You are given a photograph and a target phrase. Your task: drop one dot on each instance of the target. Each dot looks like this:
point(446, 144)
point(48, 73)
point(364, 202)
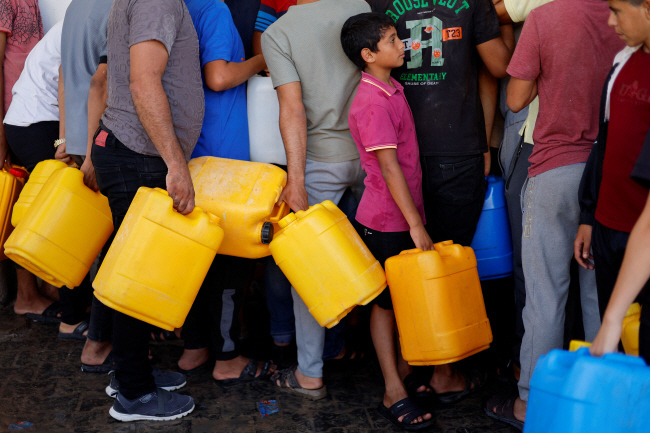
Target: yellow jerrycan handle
point(574, 345)
point(279, 212)
point(196, 212)
point(438, 247)
point(411, 251)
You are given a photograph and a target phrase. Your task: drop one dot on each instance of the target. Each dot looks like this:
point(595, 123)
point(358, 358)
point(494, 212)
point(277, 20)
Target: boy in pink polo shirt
point(391, 210)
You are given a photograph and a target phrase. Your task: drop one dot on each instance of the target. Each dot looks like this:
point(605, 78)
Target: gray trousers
point(323, 181)
point(550, 223)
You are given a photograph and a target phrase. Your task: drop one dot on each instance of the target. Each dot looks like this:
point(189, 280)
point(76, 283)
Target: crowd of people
point(387, 108)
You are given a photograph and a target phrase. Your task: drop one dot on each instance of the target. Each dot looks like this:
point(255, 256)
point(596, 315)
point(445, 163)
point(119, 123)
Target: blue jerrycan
point(574, 392)
point(492, 243)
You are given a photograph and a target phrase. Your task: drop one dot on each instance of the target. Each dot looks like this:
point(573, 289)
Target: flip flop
point(416, 379)
point(473, 381)
point(76, 334)
point(289, 383)
point(49, 315)
point(248, 374)
point(409, 410)
point(105, 367)
point(501, 408)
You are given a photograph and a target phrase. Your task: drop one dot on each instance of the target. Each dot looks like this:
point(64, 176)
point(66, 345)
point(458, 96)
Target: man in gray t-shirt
point(316, 83)
point(148, 131)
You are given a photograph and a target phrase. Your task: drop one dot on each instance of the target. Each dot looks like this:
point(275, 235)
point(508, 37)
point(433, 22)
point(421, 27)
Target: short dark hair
point(363, 31)
point(635, 3)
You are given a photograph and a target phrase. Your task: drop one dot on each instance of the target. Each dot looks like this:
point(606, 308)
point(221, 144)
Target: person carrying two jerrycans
point(390, 215)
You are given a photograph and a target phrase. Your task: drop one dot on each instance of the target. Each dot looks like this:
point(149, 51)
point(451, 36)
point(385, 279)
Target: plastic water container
point(62, 232)
point(158, 260)
point(37, 179)
point(326, 261)
point(264, 122)
point(244, 196)
point(573, 392)
point(577, 344)
point(11, 183)
point(630, 332)
point(492, 241)
point(438, 304)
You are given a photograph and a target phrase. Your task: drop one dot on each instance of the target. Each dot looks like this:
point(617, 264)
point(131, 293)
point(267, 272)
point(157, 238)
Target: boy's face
point(631, 23)
point(390, 50)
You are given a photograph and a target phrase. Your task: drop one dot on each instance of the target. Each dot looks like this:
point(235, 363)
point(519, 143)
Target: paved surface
point(42, 383)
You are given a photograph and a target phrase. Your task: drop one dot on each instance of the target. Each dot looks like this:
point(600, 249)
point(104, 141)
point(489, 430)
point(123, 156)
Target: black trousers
point(213, 320)
point(383, 245)
point(30, 145)
point(454, 191)
point(608, 246)
point(120, 172)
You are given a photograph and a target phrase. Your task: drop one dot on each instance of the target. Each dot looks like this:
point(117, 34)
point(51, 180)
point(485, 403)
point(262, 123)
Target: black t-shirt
point(641, 171)
point(440, 71)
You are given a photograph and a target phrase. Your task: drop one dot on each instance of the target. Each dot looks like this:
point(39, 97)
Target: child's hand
point(421, 238)
point(607, 339)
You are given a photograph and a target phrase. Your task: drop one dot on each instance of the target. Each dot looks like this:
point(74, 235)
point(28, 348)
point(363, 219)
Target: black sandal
point(77, 334)
point(473, 381)
point(409, 410)
point(248, 374)
point(415, 380)
point(501, 407)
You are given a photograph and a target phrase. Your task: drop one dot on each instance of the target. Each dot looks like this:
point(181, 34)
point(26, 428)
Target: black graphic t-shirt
point(440, 71)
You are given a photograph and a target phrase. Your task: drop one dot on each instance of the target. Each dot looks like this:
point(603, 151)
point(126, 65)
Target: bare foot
point(233, 368)
point(392, 397)
point(447, 379)
point(192, 358)
point(28, 298)
point(305, 382)
point(95, 352)
point(64, 328)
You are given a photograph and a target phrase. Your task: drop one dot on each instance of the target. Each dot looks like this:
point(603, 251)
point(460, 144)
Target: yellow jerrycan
point(438, 304)
point(575, 345)
point(157, 262)
point(243, 195)
point(326, 262)
point(63, 231)
point(11, 183)
point(630, 332)
point(37, 178)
